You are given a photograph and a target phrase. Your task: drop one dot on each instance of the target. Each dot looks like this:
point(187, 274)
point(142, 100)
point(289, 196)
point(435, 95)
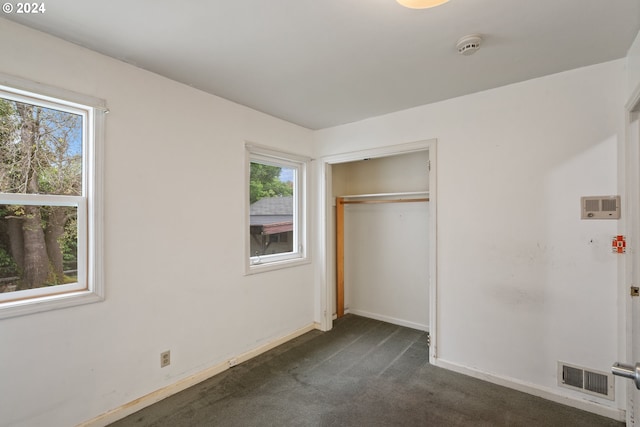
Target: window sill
point(275, 265)
point(47, 303)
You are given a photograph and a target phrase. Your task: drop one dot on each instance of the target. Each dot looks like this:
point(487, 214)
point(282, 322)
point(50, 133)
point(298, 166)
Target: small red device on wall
point(619, 244)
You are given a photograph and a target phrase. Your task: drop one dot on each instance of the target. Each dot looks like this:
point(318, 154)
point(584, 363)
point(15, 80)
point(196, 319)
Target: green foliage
point(69, 241)
point(8, 266)
point(61, 179)
point(265, 182)
point(7, 119)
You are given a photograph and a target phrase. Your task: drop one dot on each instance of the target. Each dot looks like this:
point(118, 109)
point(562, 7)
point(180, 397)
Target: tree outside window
point(41, 154)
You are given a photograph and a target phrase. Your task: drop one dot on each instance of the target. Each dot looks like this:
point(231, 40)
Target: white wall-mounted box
point(600, 207)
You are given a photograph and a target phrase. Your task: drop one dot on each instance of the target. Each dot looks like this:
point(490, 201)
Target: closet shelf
point(384, 198)
point(376, 195)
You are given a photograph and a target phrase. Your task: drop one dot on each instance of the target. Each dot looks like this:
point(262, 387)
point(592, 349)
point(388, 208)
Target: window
point(276, 214)
point(49, 200)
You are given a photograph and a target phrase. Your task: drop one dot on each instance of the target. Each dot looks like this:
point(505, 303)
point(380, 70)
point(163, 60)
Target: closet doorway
point(380, 235)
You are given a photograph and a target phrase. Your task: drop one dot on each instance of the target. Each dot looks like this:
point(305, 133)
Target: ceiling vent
point(468, 45)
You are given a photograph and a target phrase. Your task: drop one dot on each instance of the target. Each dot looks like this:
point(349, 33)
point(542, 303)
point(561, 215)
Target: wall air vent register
point(586, 380)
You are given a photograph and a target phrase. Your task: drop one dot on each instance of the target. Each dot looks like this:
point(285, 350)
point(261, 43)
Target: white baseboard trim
point(158, 395)
point(388, 319)
point(586, 404)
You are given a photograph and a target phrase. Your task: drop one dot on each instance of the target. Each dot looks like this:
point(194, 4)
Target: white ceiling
point(321, 63)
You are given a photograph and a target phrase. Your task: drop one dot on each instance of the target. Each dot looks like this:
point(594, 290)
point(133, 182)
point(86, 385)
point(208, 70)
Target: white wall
point(633, 65)
point(174, 173)
point(386, 254)
point(403, 172)
point(522, 281)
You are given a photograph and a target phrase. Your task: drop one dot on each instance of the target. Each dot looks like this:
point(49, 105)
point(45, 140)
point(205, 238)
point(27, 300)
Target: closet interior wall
point(386, 238)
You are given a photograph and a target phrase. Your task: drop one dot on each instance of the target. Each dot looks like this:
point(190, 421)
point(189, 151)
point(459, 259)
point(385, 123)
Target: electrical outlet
point(165, 358)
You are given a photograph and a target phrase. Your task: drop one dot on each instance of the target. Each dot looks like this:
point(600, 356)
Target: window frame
point(299, 255)
point(90, 285)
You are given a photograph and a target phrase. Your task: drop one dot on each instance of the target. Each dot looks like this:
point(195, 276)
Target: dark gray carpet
point(361, 373)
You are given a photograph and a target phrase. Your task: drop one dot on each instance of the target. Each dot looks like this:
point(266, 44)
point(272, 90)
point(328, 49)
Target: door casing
point(326, 245)
point(631, 269)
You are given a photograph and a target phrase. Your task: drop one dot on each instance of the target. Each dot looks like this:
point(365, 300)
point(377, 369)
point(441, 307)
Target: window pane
point(271, 214)
point(38, 246)
point(40, 150)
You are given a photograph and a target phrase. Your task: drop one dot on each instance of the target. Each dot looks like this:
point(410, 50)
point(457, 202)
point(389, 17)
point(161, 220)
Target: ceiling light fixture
point(421, 4)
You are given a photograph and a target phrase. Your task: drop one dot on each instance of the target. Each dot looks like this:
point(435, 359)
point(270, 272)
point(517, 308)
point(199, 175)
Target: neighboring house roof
point(272, 206)
point(271, 215)
point(269, 219)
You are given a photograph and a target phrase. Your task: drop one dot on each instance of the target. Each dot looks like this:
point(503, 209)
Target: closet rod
point(362, 202)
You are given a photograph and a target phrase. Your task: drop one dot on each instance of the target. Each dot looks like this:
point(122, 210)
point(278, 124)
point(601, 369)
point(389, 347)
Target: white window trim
point(91, 258)
point(301, 229)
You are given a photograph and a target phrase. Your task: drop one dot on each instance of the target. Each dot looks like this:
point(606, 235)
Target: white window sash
point(80, 204)
point(267, 156)
point(40, 199)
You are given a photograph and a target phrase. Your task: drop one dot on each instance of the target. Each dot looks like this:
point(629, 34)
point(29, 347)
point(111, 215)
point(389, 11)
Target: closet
point(382, 238)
